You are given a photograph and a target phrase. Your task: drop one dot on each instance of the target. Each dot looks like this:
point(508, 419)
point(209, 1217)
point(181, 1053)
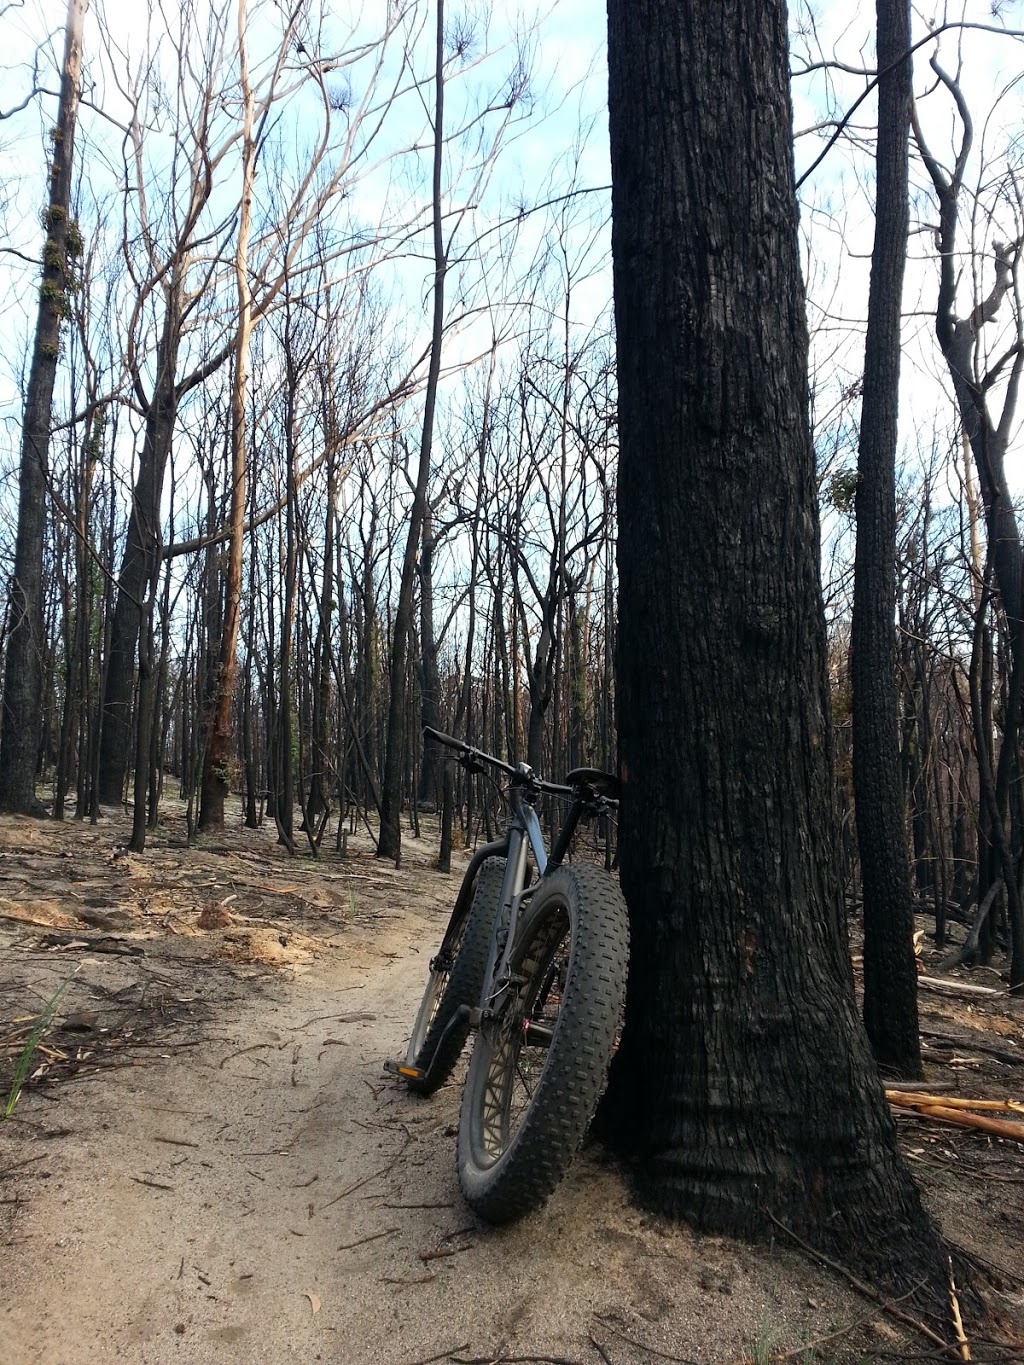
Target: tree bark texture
point(890, 971)
point(21, 715)
point(219, 747)
point(744, 1085)
point(139, 561)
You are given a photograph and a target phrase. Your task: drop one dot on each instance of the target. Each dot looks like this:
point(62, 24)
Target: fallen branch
point(960, 1117)
point(912, 1099)
point(934, 983)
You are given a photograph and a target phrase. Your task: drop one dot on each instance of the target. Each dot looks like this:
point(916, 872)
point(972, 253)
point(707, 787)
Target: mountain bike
point(534, 959)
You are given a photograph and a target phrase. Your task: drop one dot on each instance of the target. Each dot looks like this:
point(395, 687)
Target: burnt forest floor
point(207, 1162)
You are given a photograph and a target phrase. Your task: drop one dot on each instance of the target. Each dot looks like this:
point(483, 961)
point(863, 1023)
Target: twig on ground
point(444, 1204)
point(153, 1184)
point(371, 1237)
point(253, 1047)
point(515, 1360)
point(887, 1305)
point(800, 1351)
point(357, 1185)
point(439, 1253)
point(441, 1355)
point(609, 1326)
point(958, 1322)
point(600, 1349)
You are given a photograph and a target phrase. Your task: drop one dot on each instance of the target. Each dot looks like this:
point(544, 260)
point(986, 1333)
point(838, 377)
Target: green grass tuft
point(31, 1043)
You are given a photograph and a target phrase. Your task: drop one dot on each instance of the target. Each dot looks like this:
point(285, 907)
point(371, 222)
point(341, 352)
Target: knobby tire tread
point(576, 1069)
point(464, 982)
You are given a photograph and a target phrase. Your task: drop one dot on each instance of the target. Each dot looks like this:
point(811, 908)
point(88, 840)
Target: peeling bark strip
point(744, 1086)
point(23, 680)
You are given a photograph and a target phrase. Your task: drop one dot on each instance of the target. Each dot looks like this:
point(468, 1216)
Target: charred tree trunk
point(890, 972)
point(22, 705)
point(139, 552)
point(744, 1086)
point(217, 759)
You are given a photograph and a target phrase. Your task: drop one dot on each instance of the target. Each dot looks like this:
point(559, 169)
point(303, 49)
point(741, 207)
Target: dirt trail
point(247, 1186)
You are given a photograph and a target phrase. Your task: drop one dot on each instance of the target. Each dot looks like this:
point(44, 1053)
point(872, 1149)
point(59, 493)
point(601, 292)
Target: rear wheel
point(456, 978)
point(541, 1063)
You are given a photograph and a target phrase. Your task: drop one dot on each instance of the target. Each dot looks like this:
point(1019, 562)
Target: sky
point(569, 90)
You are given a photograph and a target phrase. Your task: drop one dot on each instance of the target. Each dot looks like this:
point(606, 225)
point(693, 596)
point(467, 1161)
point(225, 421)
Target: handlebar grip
point(448, 740)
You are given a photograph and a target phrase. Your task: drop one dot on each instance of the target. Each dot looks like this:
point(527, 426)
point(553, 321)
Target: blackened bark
point(430, 677)
point(744, 1085)
point(138, 563)
point(23, 691)
point(143, 726)
point(890, 972)
point(319, 790)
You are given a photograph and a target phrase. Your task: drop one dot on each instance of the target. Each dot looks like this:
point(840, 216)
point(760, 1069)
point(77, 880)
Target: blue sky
point(569, 91)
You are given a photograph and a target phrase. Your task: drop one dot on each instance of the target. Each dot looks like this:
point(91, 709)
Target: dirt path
point(225, 1174)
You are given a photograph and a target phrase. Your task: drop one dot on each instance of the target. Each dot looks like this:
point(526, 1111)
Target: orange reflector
point(409, 1071)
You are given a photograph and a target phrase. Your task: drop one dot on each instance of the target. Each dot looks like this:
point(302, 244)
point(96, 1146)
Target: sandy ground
point(209, 1165)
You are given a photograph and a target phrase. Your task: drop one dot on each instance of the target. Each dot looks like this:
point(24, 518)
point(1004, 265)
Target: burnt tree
point(890, 971)
point(22, 709)
point(744, 1088)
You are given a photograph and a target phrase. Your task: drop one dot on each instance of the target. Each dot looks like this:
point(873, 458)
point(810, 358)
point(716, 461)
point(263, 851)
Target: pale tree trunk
point(23, 680)
point(390, 843)
point(216, 764)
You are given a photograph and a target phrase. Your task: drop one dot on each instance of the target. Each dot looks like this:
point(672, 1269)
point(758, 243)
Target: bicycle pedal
point(412, 1073)
point(396, 1068)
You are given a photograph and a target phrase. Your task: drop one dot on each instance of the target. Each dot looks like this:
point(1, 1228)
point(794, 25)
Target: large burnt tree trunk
point(21, 712)
point(744, 1087)
point(890, 972)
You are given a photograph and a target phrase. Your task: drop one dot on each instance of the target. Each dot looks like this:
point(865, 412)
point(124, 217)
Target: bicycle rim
point(517, 1061)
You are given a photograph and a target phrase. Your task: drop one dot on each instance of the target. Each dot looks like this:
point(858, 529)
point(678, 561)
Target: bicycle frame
point(524, 836)
point(589, 791)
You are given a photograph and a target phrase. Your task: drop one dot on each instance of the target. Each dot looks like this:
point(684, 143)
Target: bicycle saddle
point(600, 783)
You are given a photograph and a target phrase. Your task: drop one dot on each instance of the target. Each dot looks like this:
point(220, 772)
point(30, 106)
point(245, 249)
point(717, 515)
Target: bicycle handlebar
point(521, 776)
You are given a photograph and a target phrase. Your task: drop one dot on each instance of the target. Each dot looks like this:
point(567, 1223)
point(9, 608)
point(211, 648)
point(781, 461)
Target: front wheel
point(540, 1063)
point(456, 978)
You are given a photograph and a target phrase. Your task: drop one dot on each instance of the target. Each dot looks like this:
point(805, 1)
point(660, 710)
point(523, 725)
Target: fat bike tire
point(448, 988)
point(526, 1107)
